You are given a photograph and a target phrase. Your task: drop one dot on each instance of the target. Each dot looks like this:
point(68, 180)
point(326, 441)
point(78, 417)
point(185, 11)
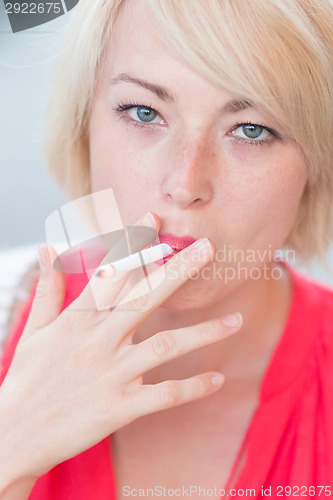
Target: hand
point(76, 376)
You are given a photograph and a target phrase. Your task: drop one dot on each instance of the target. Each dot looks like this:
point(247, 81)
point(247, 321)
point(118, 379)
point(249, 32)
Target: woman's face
point(169, 141)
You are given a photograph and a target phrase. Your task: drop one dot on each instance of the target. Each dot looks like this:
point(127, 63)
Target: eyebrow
point(161, 92)
point(164, 94)
point(236, 105)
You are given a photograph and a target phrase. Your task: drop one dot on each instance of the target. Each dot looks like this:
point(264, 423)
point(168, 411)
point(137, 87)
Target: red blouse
point(289, 442)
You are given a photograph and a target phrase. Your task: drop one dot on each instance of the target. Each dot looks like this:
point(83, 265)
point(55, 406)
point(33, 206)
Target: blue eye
point(142, 113)
point(252, 132)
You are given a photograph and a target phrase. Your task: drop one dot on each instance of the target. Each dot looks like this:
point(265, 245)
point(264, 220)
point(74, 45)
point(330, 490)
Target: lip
point(178, 243)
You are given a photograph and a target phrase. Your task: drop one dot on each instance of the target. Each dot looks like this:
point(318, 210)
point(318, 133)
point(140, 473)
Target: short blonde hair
point(277, 54)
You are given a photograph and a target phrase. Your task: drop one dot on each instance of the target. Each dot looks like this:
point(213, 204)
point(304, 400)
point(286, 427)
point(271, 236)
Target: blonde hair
point(277, 54)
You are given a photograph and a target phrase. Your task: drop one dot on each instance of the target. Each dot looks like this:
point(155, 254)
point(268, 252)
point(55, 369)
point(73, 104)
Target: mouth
point(177, 243)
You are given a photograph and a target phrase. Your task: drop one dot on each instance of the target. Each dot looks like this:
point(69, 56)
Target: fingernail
point(217, 379)
point(148, 219)
point(232, 320)
point(106, 272)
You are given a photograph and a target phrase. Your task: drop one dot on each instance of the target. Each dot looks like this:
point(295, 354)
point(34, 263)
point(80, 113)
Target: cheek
point(266, 198)
point(108, 158)
point(119, 163)
point(121, 156)
point(284, 194)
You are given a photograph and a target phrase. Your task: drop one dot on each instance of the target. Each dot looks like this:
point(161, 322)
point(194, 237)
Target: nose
point(190, 172)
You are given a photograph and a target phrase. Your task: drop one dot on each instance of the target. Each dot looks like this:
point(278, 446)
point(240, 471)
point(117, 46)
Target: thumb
point(50, 292)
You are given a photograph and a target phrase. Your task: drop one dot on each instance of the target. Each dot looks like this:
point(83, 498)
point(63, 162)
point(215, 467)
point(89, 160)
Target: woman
point(220, 112)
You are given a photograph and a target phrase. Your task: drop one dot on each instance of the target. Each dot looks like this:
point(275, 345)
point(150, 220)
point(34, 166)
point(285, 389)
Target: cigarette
point(135, 260)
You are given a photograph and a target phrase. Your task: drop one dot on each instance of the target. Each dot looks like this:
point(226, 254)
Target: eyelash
point(260, 142)
point(125, 106)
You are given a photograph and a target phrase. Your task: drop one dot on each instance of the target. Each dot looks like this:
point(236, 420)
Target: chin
point(189, 296)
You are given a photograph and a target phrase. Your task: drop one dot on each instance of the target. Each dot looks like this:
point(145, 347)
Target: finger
point(135, 238)
point(156, 397)
point(50, 292)
point(101, 292)
point(170, 344)
point(163, 282)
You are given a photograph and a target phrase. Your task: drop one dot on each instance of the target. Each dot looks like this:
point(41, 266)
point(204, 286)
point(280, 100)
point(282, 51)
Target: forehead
point(138, 49)
point(136, 53)
point(132, 34)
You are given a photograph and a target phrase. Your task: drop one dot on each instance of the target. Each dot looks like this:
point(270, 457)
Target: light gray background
point(27, 194)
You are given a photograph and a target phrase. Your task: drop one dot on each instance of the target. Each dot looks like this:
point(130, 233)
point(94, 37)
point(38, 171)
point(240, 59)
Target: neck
point(264, 305)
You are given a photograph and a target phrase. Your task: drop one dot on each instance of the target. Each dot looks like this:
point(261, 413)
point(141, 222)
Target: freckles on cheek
point(248, 155)
point(265, 197)
point(290, 176)
point(284, 201)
